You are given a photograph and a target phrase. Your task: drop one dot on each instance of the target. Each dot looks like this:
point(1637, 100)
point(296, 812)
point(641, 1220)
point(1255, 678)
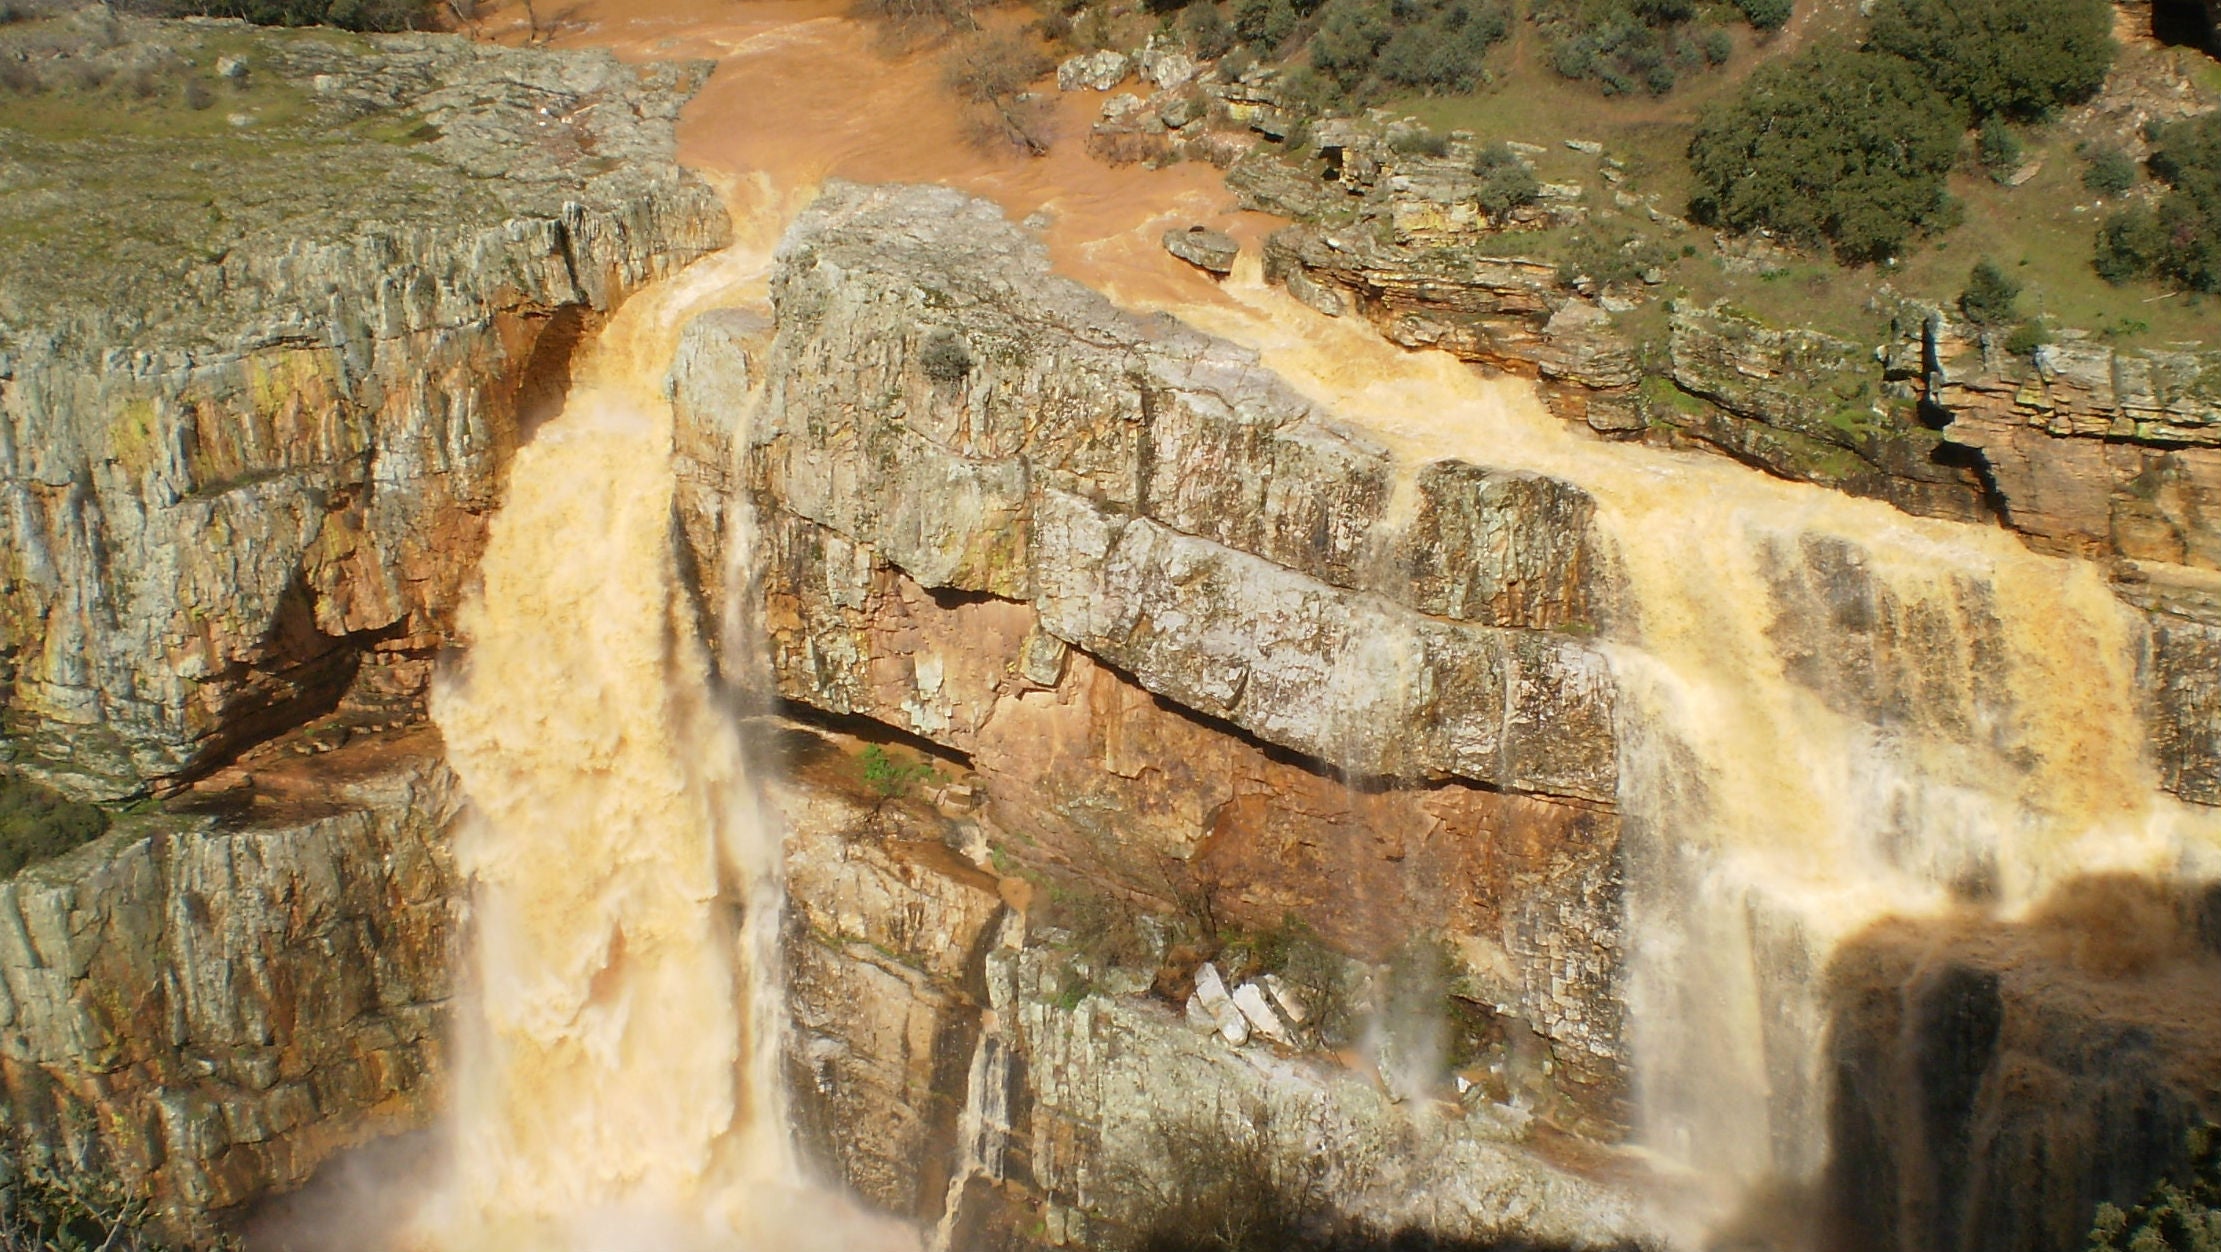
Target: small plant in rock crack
point(944, 357)
point(890, 777)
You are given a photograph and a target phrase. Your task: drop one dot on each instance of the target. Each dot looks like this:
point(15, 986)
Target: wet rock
point(1808, 406)
point(1204, 248)
point(1051, 497)
point(1092, 71)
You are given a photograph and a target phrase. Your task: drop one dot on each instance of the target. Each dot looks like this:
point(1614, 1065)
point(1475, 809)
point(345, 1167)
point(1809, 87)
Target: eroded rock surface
point(237, 470)
point(203, 1008)
point(1155, 497)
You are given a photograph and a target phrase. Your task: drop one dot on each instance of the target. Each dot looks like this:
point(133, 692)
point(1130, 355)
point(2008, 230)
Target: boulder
point(1093, 71)
point(1204, 248)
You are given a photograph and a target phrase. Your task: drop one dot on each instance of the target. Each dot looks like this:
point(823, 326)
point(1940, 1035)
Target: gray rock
point(244, 464)
point(1093, 71)
point(1150, 491)
point(1204, 248)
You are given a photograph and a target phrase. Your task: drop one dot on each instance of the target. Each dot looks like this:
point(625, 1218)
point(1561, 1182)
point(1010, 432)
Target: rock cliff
point(204, 1004)
point(250, 466)
point(1197, 649)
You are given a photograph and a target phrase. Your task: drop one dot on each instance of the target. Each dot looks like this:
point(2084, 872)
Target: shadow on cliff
point(1994, 1081)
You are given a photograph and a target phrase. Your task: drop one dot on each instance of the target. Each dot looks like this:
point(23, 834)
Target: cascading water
point(1831, 713)
point(619, 1080)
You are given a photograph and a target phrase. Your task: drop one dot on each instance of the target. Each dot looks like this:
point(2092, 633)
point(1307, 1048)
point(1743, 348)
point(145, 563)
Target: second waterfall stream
point(1830, 714)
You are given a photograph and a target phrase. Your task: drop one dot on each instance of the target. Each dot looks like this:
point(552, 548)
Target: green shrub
point(1209, 33)
point(1366, 48)
point(1508, 187)
point(2179, 240)
point(944, 357)
point(2110, 172)
point(1836, 146)
point(1419, 143)
point(2131, 244)
point(2178, 1215)
point(1265, 24)
point(38, 824)
point(892, 777)
point(2026, 338)
point(1989, 296)
point(1625, 46)
point(2021, 58)
point(1766, 14)
point(378, 15)
point(1998, 147)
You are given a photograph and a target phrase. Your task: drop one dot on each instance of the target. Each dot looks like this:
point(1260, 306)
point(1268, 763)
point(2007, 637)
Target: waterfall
point(1830, 713)
point(619, 1082)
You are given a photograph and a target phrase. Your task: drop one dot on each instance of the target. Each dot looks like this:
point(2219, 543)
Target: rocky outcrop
point(963, 1060)
point(1196, 644)
point(201, 1008)
point(936, 401)
point(239, 475)
point(1511, 313)
point(2091, 450)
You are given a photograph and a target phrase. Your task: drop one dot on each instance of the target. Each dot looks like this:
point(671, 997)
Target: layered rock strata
point(229, 485)
point(1198, 644)
point(200, 1008)
point(959, 1060)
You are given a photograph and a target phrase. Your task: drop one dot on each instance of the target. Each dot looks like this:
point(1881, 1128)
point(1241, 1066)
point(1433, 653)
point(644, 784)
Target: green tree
point(2110, 172)
point(2179, 241)
point(1998, 147)
point(1835, 146)
point(1990, 296)
point(2181, 1214)
point(2021, 58)
point(1209, 33)
point(1766, 14)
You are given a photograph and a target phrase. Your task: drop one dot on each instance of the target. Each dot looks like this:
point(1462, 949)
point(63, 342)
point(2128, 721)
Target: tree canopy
point(2179, 240)
point(2021, 58)
point(1835, 146)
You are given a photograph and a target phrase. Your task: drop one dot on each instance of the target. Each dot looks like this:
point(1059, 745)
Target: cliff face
point(248, 450)
point(247, 471)
point(1140, 590)
point(201, 1007)
point(2081, 447)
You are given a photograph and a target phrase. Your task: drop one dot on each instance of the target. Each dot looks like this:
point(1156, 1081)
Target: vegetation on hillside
point(1639, 45)
point(2178, 1215)
point(1367, 48)
point(2178, 239)
point(1837, 146)
point(373, 15)
point(37, 823)
point(2018, 58)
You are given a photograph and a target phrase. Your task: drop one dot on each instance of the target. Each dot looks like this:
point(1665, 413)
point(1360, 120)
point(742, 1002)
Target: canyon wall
point(1196, 645)
point(245, 477)
point(226, 497)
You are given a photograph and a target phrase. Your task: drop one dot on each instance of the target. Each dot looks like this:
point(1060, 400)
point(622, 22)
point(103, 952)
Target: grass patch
point(38, 824)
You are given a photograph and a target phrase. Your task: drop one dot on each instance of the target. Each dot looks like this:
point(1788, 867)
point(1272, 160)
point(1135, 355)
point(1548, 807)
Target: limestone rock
point(1204, 248)
point(1167, 64)
point(1139, 484)
point(1808, 406)
point(1092, 71)
point(204, 1010)
point(1260, 1014)
point(235, 473)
